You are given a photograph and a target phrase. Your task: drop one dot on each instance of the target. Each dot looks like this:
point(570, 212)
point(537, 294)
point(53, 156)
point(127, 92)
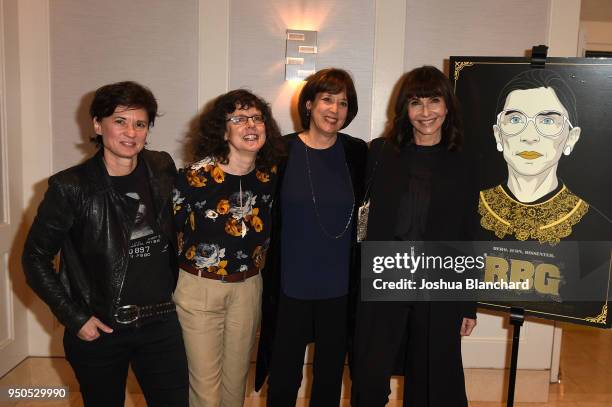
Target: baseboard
point(481, 385)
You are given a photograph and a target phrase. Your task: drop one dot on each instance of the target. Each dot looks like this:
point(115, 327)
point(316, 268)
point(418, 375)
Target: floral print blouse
point(223, 220)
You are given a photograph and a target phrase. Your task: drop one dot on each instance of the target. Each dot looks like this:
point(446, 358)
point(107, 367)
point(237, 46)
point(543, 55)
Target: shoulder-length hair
point(213, 126)
point(330, 80)
point(425, 82)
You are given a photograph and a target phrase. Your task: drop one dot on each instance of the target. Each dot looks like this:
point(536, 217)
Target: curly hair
point(213, 126)
point(331, 80)
point(129, 94)
point(425, 82)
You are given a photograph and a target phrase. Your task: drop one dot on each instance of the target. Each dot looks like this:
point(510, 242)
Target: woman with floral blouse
point(222, 209)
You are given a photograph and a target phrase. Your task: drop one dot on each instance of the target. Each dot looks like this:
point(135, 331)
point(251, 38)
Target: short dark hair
point(426, 82)
point(331, 80)
point(213, 121)
point(129, 94)
point(541, 78)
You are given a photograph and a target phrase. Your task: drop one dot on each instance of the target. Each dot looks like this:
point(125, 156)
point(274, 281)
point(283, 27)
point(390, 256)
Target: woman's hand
point(89, 331)
point(467, 325)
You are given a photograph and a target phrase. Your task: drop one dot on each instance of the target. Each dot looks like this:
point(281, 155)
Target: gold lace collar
point(548, 221)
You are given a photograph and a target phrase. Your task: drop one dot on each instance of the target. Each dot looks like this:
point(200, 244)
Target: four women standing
point(227, 223)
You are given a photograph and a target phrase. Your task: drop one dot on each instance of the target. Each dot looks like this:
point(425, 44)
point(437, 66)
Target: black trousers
point(300, 322)
point(156, 353)
point(402, 338)
point(381, 332)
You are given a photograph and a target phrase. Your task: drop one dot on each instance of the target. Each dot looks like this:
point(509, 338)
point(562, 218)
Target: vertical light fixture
point(300, 54)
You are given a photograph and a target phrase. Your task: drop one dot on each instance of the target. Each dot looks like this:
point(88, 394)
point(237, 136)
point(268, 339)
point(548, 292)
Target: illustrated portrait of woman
point(537, 127)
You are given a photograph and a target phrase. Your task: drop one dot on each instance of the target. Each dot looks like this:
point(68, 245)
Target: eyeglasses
point(548, 123)
point(243, 120)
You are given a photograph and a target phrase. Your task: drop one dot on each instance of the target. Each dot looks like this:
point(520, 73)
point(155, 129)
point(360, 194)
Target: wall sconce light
point(300, 54)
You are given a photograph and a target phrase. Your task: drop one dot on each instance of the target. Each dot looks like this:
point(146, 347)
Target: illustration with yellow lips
point(535, 126)
point(529, 155)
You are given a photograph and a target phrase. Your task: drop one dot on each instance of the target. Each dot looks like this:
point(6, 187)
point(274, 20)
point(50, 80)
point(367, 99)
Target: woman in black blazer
point(421, 189)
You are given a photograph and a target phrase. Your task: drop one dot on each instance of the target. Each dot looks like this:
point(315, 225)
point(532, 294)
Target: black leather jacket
point(88, 222)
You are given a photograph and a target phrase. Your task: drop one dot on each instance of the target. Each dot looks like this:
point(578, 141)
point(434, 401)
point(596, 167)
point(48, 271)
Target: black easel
point(517, 316)
point(538, 56)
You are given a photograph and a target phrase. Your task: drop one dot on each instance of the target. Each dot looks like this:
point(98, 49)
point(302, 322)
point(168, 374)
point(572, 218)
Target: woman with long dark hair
point(421, 188)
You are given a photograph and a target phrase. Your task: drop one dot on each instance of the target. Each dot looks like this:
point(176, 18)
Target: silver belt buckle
point(127, 308)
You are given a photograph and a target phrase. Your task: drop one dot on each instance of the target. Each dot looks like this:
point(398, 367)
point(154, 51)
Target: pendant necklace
point(314, 200)
point(243, 227)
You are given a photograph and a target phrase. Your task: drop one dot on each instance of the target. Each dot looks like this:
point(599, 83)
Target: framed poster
point(542, 138)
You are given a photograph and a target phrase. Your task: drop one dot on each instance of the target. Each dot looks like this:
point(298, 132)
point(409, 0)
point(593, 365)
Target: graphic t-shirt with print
point(148, 279)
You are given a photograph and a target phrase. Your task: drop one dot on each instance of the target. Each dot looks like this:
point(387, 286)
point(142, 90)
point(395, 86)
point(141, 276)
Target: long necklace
point(243, 228)
point(314, 200)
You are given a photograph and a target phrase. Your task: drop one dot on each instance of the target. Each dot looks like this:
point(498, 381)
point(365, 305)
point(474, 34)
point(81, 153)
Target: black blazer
point(452, 216)
point(356, 155)
point(453, 211)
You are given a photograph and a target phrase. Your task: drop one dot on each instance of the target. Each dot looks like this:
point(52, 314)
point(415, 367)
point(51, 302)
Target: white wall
point(438, 29)
point(598, 35)
point(565, 24)
point(14, 295)
point(153, 42)
point(33, 21)
point(257, 49)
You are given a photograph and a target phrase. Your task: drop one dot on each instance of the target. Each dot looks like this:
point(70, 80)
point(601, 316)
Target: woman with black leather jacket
point(110, 219)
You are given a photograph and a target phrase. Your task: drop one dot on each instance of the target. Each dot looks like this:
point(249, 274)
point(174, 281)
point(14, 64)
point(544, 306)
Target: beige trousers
point(219, 322)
